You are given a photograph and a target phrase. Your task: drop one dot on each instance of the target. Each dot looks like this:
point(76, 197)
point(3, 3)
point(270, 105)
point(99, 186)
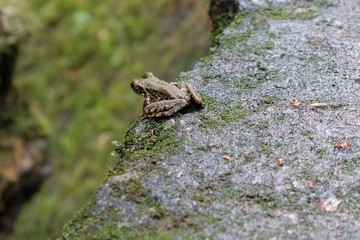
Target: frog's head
point(138, 87)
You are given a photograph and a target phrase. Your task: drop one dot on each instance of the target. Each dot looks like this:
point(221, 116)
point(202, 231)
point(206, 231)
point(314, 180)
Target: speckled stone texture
point(285, 88)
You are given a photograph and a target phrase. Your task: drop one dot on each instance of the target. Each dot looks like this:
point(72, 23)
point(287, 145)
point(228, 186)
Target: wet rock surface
point(273, 154)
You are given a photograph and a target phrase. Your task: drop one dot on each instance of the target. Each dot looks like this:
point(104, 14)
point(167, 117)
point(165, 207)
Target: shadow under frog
point(163, 99)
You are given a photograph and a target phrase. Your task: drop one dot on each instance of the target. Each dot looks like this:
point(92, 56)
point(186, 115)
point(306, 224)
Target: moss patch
point(257, 19)
point(256, 76)
point(208, 121)
point(221, 13)
point(234, 114)
point(281, 14)
point(152, 140)
point(107, 230)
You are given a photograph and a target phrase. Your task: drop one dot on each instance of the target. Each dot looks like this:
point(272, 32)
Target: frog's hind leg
point(194, 94)
point(164, 108)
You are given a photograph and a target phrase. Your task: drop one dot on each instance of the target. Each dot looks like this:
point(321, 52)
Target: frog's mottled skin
point(163, 99)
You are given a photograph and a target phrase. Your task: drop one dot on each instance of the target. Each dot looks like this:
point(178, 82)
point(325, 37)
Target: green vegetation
point(161, 225)
point(207, 121)
point(94, 227)
point(209, 102)
point(234, 114)
point(320, 3)
point(258, 18)
point(265, 148)
point(153, 140)
point(75, 71)
point(161, 229)
point(280, 14)
point(321, 153)
point(255, 77)
point(222, 13)
point(111, 231)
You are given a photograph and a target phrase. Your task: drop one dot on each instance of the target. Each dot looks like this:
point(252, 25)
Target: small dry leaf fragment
point(319, 105)
point(150, 133)
point(212, 145)
point(329, 205)
point(227, 157)
point(295, 102)
point(344, 145)
point(180, 174)
point(310, 184)
point(280, 162)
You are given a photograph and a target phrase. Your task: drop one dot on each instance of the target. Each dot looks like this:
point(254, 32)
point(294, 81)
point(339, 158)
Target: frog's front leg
point(164, 108)
point(147, 101)
point(150, 99)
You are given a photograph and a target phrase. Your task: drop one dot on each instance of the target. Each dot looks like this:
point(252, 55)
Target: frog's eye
point(148, 75)
point(137, 87)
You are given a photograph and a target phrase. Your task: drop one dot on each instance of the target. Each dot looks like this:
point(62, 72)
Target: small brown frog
point(163, 99)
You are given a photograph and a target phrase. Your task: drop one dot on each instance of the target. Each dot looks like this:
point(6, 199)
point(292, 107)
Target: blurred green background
point(74, 72)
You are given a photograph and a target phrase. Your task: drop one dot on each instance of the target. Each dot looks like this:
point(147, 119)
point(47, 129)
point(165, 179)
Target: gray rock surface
point(284, 83)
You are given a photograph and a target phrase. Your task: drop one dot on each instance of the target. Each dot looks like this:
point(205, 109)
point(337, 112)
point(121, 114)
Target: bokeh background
point(73, 96)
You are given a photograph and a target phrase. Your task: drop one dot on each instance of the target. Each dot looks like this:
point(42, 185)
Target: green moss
point(221, 13)
point(151, 141)
point(255, 77)
point(320, 3)
point(268, 204)
point(277, 13)
point(242, 84)
point(212, 220)
point(232, 193)
point(234, 114)
point(240, 223)
point(281, 14)
point(207, 121)
point(202, 149)
point(238, 19)
point(279, 117)
point(258, 18)
point(236, 41)
point(320, 153)
point(349, 165)
point(265, 148)
point(74, 228)
point(265, 103)
point(111, 231)
point(239, 40)
point(103, 226)
point(308, 134)
point(260, 50)
point(209, 102)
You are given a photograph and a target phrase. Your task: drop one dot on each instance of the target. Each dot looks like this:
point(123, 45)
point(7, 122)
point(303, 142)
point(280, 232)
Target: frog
point(164, 99)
